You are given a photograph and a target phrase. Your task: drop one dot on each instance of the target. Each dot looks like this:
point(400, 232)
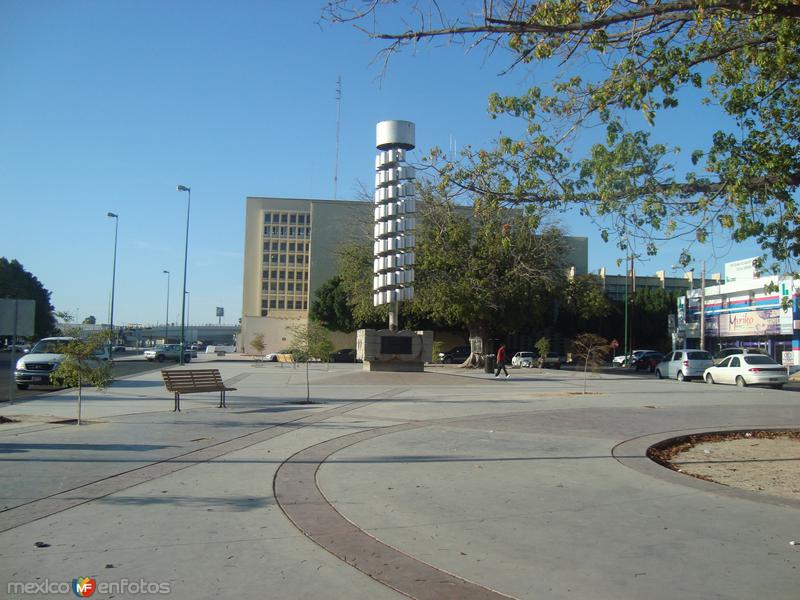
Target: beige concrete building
point(290, 251)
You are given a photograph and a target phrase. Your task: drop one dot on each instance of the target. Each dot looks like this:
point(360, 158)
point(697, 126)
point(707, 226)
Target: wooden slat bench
point(195, 380)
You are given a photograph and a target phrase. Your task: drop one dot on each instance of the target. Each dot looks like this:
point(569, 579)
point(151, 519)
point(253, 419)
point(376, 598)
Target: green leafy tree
point(257, 343)
point(649, 308)
point(310, 341)
point(584, 298)
point(741, 59)
point(64, 316)
point(331, 307)
point(489, 271)
point(81, 366)
point(355, 259)
point(90, 320)
point(16, 282)
point(542, 346)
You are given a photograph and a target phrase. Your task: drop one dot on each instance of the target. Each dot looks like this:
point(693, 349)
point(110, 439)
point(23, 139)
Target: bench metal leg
point(222, 403)
point(177, 403)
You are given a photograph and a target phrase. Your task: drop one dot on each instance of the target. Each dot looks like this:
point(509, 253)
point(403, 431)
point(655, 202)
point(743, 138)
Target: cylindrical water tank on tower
point(395, 134)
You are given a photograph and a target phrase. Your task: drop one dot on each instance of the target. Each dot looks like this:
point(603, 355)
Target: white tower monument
point(395, 208)
point(393, 272)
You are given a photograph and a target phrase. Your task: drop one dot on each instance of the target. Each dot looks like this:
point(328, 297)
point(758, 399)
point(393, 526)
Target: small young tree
point(257, 343)
point(81, 365)
point(310, 341)
point(592, 349)
point(542, 347)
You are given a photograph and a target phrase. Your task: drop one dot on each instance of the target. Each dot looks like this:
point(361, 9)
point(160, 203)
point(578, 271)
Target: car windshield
point(525, 354)
point(758, 359)
point(698, 355)
point(49, 347)
point(161, 347)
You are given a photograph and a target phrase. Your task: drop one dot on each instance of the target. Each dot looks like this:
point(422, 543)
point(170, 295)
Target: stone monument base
point(394, 351)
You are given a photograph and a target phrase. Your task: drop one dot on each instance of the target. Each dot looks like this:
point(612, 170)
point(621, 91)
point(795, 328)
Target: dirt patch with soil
point(760, 461)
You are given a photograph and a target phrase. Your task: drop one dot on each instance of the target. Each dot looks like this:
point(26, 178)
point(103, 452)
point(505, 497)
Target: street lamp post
point(166, 322)
point(183, 188)
point(113, 285)
point(188, 311)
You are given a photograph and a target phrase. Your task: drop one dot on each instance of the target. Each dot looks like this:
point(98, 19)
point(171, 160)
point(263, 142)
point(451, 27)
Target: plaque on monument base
point(398, 351)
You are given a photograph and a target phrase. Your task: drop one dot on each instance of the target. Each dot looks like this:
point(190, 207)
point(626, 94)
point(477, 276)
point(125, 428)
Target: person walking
point(501, 361)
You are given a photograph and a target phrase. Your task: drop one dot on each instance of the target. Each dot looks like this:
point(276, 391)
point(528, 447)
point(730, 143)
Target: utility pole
point(625, 339)
point(703, 306)
point(633, 298)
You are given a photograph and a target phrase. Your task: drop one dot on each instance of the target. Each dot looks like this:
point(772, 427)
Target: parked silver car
point(684, 364)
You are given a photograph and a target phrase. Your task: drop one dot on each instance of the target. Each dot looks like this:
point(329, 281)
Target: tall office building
point(289, 252)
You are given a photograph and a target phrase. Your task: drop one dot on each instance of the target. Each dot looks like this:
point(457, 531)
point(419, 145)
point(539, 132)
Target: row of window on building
point(286, 247)
point(287, 286)
point(282, 304)
point(284, 231)
point(292, 218)
point(283, 259)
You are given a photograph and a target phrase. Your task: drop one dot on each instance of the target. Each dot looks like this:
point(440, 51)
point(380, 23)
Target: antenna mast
point(338, 118)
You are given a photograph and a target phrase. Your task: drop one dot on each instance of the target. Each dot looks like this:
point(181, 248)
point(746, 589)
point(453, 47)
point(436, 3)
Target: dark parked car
point(648, 361)
point(345, 355)
point(455, 355)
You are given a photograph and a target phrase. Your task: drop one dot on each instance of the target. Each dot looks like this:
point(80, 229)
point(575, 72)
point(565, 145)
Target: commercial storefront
point(751, 312)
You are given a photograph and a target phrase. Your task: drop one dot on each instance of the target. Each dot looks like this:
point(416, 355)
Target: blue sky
point(107, 106)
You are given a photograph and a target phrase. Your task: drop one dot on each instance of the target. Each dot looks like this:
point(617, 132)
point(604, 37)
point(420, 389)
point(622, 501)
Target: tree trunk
point(80, 387)
point(476, 360)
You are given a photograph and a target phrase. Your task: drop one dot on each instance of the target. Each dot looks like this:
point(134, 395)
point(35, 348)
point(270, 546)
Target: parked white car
point(684, 365)
point(524, 359)
point(748, 369)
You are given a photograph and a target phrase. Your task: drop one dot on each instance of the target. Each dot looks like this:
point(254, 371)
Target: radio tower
point(338, 117)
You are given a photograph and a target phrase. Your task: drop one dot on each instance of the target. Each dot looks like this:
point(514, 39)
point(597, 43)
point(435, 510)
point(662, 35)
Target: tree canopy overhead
point(618, 58)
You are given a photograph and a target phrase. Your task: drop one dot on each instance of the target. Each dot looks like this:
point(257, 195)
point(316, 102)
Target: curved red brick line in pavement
point(296, 491)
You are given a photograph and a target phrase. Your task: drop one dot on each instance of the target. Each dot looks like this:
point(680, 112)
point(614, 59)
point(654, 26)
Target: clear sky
point(107, 106)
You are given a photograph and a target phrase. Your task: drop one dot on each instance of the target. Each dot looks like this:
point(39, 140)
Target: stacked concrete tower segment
point(395, 208)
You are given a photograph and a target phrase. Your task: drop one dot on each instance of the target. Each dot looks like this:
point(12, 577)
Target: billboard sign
point(24, 310)
point(756, 322)
point(741, 270)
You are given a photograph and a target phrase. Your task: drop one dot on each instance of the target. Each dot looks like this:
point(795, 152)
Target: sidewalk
point(430, 483)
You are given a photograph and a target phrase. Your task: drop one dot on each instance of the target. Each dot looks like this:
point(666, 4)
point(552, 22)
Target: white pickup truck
point(164, 352)
point(36, 367)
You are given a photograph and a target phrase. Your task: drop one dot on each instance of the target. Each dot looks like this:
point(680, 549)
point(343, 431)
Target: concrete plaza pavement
point(447, 484)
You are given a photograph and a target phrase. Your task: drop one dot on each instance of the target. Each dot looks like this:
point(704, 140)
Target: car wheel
point(681, 376)
point(709, 379)
point(740, 381)
point(160, 358)
point(22, 386)
point(187, 359)
point(658, 374)
point(448, 360)
point(777, 386)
